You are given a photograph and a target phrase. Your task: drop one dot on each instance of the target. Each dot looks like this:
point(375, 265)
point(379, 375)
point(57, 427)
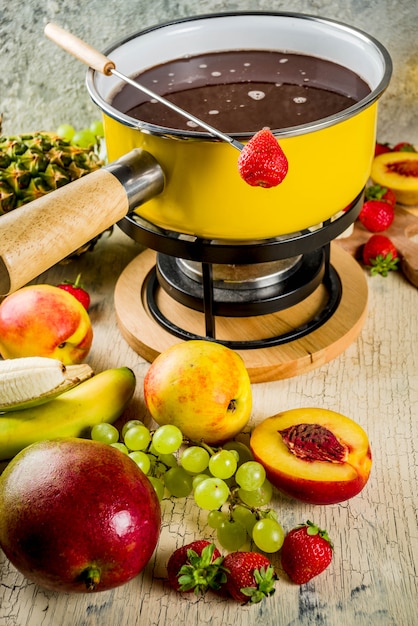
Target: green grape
point(106, 433)
point(211, 493)
point(195, 459)
point(83, 138)
point(161, 462)
point(137, 437)
point(178, 482)
point(245, 517)
point(158, 469)
point(142, 460)
point(244, 451)
point(167, 439)
point(158, 486)
point(268, 535)
point(129, 425)
point(152, 450)
point(197, 478)
point(231, 535)
point(121, 447)
point(153, 463)
point(257, 497)
point(235, 455)
point(96, 128)
point(250, 475)
point(216, 518)
point(169, 460)
point(271, 513)
point(222, 464)
point(66, 131)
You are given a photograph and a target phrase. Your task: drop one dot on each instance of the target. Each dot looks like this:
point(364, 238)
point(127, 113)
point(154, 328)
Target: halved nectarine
point(399, 172)
point(313, 454)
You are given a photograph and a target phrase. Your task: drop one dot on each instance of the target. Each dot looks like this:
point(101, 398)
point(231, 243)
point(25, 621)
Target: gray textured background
point(41, 86)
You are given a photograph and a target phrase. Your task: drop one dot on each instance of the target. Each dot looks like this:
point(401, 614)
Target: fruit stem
point(91, 577)
point(234, 500)
point(76, 283)
point(207, 447)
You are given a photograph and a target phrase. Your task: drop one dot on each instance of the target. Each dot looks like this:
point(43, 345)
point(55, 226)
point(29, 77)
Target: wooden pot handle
point(43, 232)
point(79, 49)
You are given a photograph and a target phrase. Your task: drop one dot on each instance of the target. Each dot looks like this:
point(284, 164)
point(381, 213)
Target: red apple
point(43, 320)
point(313, 454)
point(77, 515)
point(202, 387)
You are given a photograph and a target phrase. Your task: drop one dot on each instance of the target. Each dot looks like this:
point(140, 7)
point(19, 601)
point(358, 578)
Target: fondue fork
point(99, 62)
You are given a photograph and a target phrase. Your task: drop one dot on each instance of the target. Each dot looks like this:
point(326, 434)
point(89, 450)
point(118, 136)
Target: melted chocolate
point(243, 91)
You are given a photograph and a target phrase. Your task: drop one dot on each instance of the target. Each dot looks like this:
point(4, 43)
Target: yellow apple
point(202, 387)
point(43, 320)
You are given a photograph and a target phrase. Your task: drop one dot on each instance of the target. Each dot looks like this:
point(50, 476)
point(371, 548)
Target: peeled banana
point(29, 381)
point(101, 398)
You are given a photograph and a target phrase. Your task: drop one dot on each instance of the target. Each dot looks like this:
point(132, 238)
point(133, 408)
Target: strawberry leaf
point(201, 573)
point(264, 578)
point(312, 530)
point(375, 192)
point(383, 264)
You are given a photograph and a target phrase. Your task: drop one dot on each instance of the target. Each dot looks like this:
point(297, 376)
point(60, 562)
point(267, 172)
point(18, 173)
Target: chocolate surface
point(243, 91)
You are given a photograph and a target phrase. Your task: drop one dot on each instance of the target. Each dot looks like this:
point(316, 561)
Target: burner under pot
point(249, 276)
point(242, 290)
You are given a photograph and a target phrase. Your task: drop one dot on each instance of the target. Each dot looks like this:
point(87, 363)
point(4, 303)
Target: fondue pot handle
point(43, 232)
point(79, 49)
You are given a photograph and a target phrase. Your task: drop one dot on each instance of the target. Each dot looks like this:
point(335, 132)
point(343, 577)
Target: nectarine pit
point(313, 442)
point(404, 168)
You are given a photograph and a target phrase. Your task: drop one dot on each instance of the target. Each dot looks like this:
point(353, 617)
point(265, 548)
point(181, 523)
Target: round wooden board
point(149, 339)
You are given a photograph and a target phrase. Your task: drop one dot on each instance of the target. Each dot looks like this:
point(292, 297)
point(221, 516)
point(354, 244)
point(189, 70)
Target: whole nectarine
point(313, 454)
point(202, 387)
point(43, 320)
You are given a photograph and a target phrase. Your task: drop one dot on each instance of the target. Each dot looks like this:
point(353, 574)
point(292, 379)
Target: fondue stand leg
point(208, 300)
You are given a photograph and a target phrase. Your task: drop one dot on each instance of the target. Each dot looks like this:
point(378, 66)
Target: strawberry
point(380, 254)
point(381, 148)
point(77, 291)
point(196, 567)
point(376, 215)
point(250, 576)
point(262, 162)
point(306, 552)
point(403, 146)
point(377, 192)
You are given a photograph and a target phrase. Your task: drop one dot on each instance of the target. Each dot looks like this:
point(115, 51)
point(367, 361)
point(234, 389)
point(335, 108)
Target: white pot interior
point(287, 32)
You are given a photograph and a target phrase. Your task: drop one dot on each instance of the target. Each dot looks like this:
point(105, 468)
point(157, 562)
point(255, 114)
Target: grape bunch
point(84, 138)
point(226, 482)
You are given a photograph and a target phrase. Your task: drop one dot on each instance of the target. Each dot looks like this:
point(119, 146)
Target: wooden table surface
point(373, 577)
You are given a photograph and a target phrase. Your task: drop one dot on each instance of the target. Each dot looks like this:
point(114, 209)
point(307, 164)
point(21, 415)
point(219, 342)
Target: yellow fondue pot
point(329, 159)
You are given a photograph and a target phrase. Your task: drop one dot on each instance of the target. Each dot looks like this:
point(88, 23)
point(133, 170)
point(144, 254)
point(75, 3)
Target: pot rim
point(154, 129)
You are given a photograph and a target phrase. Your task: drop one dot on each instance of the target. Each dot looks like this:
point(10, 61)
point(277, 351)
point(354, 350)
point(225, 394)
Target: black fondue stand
point(286, 304)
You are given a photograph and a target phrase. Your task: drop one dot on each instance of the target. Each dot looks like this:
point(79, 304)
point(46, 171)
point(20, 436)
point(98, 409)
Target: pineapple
point(35, 164)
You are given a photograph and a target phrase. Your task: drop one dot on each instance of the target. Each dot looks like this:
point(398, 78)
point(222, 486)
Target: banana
point(29, 381)
point(102, 398)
